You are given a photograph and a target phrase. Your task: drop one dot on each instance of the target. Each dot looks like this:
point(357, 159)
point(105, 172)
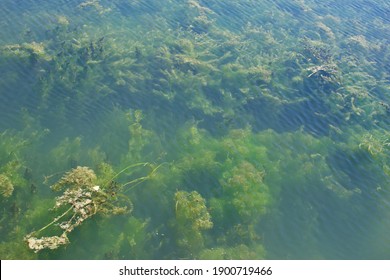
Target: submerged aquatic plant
point(250, 196)
point(11, 163)
point(192, 217)
point(191, 210)
point(81, 199)
point(6, 186)
point(33, 51)
point(374, 145)
point(194, 82)
point(326, 72)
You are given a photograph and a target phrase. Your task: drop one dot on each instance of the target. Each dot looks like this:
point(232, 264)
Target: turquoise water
point(206, 129)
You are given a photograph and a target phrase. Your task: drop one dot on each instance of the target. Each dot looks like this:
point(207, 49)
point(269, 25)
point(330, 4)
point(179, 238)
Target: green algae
point(213, 133)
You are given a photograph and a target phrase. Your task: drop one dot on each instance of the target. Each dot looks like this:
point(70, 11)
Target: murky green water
point(206, 129)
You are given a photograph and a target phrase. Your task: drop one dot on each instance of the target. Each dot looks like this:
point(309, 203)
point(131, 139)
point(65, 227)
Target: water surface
point(213, 129)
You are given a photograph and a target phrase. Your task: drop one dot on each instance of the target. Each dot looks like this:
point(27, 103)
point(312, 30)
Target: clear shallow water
point(262, 126)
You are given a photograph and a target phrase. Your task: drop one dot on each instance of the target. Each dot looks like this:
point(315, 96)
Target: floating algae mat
point(194, 129)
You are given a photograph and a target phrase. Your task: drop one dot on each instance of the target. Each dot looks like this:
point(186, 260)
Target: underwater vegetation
point(194, 130)
point(192, 217)
point(85, 199)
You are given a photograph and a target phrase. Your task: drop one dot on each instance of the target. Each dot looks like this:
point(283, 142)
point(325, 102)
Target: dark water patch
point(265, 114)
point(294, 9)
point(362, 170)
point(239, 12)
point(133, 8)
